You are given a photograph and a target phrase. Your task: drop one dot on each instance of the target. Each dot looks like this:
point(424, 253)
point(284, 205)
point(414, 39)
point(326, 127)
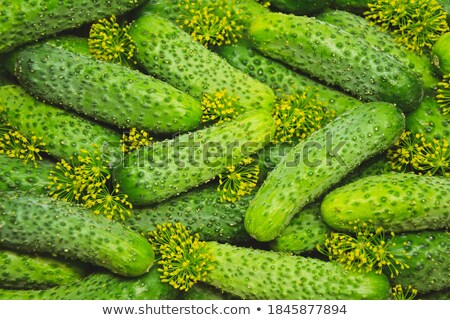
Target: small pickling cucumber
point(202, 291)
point(104, 91)
point(356, 6)
point(170, 167)
point(441, 53)
point(101, 286)
point(27, 20)
point(64, 133)
point(337, 57)
point(39, 224)
point(320, 161)
point(304, 7)
point(394, 201)
point(25, 271)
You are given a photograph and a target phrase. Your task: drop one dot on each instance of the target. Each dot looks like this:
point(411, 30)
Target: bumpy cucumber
point(336, 57)
point(201, 211)
point(427, 254)
point(429, 120)
point(24, 21)
point(63, 132)
point(169, 53)
point(281, 78)
point(394, 201)
point(37, 223)
point(357, 6)
point(304, 7)
point(202, 291)
point(105, 91)
point(258, 274)
point(25, 271)
point(360, 27)
point(440, 53)
point(169, 167)
point(101, 286)
point(306, 230)
point(319, 162)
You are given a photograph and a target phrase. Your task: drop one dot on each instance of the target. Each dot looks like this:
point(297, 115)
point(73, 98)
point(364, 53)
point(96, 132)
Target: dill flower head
point(15, 145)
point(239, 180)
point(111, 203)
point(184, 259)
point(403, 155)
point(443, 94)
point(109, 41)
point(93, 169)
point(399, 293)
point(298, 115)
point(135, 139)
point(65, 183)
point(417, 24)
point(211, 23)
point(219, 108)
point(434, 158)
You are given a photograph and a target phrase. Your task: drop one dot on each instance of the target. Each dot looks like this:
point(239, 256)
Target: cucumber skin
point(281, 78)
point(201, 211)
point(168, 168)
point(395, 201)
point(361, 132)
point(428, 256)
point(356, 6)
point(25, 20)
point(39, 224)
point(360, 27)
point(63, 132)
point(316, 48)
point(267, 275)
point(304, 7)
point(105, 91)
point(440, 55)
point(25, 271)
point(169, 53)
point(101, 286)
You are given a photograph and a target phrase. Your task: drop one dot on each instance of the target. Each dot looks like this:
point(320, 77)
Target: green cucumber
point(167, 52)
point(320, 161)
point(167, 168)
point(427, 254)
point(14, 175)
point(105, 91)
point(39, 224)
point(356, 6)
point(304, 7)
point(394, 201)
point(360, 27)
point(63, 132)
point(201, 211)
point(25, 271)
point(101, 286)
point(281, 78)
point(202, 291)
point(435, 295)
point(440, 53)
point(336, 57)
point(257, 274)
point(25, 20)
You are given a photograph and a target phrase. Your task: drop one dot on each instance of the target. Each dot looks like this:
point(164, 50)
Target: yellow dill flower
point(443, 96)
point(239, 180)
point(403, 155)
point(15, 145)
point(214, 23)
point(111, 203)
point(219, 108)
point(65, 183)
point(297, 116)
point(93, 169)
point(109, 41)
point(398, 293)
point(417, 24)
point(184, 259)
point(135, 139)
point(434, 158)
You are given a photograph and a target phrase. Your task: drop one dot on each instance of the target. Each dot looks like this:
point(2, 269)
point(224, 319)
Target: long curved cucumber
point(39, 224)
point(319, 162)
point(105, 91)
point(338, 58)
point(394, 201)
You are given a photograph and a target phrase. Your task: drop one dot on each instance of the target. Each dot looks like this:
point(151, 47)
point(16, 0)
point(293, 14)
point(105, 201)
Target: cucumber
point(360, 27)
point(356, 6)
point(319, 162)
point(63, 132)
point(167, 52)
point(281, 78)
point(304, 7)
point(25, 20)
point(203, 291)
point(338, 58)
point(428, 257)
point(440, 53)
point(39, 224)
point(395, 201)
point(104, 91)
point(201, 211)
point(25, 271)
point(168, 168)
point(101, 286)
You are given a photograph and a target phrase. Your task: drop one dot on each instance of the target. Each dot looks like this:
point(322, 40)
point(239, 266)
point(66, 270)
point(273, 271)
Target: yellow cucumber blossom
point(219, 108)
point(443, 94)
point(134, 140)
